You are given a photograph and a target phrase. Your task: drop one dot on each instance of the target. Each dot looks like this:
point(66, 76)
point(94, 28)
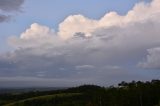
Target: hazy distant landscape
point(125, 94)
point(25, 89)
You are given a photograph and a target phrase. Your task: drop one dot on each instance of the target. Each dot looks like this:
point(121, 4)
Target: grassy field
point(42, 98)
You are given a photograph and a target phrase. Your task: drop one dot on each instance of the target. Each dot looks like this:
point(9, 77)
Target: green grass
point(46, 97)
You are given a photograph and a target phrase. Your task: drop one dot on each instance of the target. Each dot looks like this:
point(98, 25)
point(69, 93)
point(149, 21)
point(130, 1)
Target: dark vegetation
point(125, 94)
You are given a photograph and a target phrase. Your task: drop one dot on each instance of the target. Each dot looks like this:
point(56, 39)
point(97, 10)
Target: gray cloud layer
point(103, 51)
point(153, 59)
point(8, 6)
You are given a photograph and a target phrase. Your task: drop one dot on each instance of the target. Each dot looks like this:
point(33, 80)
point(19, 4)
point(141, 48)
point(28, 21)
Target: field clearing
point(45, 97)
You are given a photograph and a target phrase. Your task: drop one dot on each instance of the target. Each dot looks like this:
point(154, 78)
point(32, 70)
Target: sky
point(68, 43)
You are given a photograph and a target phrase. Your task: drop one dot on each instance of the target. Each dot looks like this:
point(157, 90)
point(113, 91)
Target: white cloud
point(78, 23)
point(37, 31)
point(74, 24)
point(36, 35)
point(112, 67)
point(84, 67)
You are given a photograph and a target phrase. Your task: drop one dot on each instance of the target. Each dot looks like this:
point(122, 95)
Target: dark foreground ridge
point(125, 94)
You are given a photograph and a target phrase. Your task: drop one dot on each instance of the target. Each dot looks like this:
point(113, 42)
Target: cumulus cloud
point(108, 49)
point(34, 36)
point(37, 31)
point(8, 6)
point(79, 23)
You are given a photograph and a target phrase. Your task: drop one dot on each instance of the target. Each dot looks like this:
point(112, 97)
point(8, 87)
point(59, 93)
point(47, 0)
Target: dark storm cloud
point(4, 18)
point(9, 6)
